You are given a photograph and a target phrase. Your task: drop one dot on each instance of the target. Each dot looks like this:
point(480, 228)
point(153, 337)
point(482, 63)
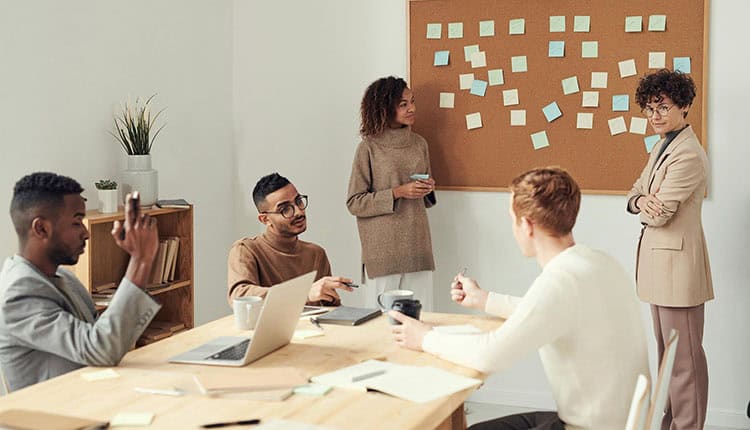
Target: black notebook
point(347, 315)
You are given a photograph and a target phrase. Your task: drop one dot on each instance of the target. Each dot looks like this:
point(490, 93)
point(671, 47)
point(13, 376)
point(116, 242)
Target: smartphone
point(420, 176)
point(135, 200)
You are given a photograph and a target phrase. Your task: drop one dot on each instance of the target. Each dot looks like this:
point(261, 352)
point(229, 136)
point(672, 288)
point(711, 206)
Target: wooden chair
point(661, 388)
point(639, 407)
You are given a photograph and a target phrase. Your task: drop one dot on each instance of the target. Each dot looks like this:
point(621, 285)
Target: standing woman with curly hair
point(389, 205)
point(672, 270)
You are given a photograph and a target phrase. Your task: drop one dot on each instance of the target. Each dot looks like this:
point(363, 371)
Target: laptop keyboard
point(234, 352)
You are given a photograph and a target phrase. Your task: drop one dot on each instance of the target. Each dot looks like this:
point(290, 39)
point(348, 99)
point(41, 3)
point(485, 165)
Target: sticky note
point(557, 24)
point(570, 85)
point(441, 58)
point(627, 68)
point(657, 60)
point(620, 103)
point(599, 79)
point(617, 125)
point(486, 28)
point(633, 24)
point(495, 77)
point(434, 31)
point(657, 23)
point(447, 100)
point(651, 141)
point(305, 334)
point(552, 112)
point(455, 30)
point(590, 99)
point(478, 59)
point(465, 80)
point(468, 50)
point(539, 140)
point(581, 24)
point(478, 87)
point(585, 120)
point(518, 117)
point(518, 64)
point(131, 419)
point(590, 49)
point(682, 64)
point(638, 125)
point(517, 26)
point(556, 49)
point(510, 97)
point(473, 120)
point(100, 375)
point(312, 389)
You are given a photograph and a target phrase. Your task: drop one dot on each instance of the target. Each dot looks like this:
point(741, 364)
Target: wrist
point(397, 193)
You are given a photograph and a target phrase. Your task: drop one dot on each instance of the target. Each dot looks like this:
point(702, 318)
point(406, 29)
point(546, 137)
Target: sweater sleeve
point(362, 200)
point(242, 273)
point(501, 305)
point(540, 317)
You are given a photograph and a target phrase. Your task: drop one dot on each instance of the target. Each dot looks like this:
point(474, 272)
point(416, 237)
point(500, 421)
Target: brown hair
point(549, 197)
point(676, 85)
point(379, 104)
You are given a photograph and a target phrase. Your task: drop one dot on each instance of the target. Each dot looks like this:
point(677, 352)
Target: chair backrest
point(640, 405)
point(3, 383)
point(661, 388)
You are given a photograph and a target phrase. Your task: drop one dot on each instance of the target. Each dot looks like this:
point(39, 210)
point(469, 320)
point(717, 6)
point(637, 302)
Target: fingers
point(398, 316)
point(117, 228)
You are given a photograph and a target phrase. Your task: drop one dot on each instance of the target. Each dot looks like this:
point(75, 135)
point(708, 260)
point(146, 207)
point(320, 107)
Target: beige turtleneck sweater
point(257, 263)
point(395, 234)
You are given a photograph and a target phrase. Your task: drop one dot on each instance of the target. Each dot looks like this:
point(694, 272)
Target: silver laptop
point(274, 329)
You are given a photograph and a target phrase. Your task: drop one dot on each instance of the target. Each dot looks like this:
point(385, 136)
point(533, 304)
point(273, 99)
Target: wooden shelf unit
point(104, 262)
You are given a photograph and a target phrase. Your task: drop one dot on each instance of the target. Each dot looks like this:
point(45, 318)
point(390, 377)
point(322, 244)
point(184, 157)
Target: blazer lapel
point(687, 131)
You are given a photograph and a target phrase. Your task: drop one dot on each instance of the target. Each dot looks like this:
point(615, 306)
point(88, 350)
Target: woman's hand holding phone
point(416, 189)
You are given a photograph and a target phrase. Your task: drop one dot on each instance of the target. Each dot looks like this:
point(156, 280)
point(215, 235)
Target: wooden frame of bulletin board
point(487, 158)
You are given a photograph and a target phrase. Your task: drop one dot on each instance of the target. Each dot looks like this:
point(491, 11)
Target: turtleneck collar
point(395, 137)
point(286, 245)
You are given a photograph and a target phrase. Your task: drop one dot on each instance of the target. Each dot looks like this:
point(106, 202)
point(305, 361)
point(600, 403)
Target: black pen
point(350, 284)
point(232, 423)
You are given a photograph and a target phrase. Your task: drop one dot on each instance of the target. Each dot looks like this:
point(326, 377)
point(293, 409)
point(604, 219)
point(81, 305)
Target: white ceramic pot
point(107, 201)
point(139, 176)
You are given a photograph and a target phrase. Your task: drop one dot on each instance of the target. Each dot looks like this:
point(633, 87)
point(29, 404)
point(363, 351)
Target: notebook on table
point(347, 315)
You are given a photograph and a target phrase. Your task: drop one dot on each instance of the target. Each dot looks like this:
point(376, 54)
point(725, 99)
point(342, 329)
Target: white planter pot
point(139, 176)
point(107, 201)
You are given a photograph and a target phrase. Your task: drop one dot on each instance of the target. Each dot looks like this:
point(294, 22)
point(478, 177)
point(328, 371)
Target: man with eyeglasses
point(673, 274)
point(257, 263)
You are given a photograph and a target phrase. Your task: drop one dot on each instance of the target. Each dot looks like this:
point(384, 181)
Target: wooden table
point(343, 409)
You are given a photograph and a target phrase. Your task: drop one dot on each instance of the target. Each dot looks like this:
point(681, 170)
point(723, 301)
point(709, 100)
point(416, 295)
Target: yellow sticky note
point(517, 26)
point(657, 60)
point(633, 24)
point(486, 28)
point(599, 79)
point(478, 59)
point(570, 85)
point(495, 77)
point(131, 419)
point(557, 24)
point(590, 99)
point(465, 81)
point(627, 68)
point(518, 64)
point(100, 375)
point(617, 126)
point(638, 125)
point(518, 117)
point(590, 49)
point(473, 120)
point(510, 97)
point(455, 30)
point(581, 24)
point(657, 23)
point(585, 120)
point(447, 100)
point(304, 334)
point(434, 30)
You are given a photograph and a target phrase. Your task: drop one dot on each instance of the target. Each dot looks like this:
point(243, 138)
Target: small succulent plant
point(105, 184)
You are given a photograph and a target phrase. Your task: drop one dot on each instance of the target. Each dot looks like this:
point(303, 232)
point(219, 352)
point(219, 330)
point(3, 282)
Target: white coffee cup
point(246, 311)
point(386, 299)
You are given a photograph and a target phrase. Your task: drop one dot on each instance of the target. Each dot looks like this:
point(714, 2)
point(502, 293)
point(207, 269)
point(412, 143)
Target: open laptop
point(274, 329)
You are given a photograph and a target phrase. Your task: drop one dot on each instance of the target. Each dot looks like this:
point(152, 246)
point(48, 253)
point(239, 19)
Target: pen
point(173, 392)
point(363, 376)
point(231, 423)
point(315, 322)
point(350, 284)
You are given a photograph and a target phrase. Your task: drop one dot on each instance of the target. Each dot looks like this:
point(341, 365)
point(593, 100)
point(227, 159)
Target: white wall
point(298, 81)
point(65, 66)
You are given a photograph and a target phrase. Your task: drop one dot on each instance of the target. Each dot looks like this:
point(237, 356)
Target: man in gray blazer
point(48, 322)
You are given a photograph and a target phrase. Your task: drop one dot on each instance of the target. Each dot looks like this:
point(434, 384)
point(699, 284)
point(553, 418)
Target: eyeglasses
point(662, 109)
point(287, 211)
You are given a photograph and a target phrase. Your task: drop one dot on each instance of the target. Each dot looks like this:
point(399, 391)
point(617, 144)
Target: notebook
point(347, 315)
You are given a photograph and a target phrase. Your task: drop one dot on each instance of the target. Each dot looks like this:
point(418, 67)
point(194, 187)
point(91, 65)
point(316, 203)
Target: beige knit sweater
point(395, 234)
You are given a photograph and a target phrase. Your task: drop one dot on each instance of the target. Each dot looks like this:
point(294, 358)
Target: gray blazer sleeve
point(32, 313)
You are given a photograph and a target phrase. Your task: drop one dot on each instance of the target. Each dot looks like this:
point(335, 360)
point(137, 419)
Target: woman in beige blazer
point(672, 269)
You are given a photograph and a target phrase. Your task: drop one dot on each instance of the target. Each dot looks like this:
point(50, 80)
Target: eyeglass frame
point(294, 204)
point(659, 109)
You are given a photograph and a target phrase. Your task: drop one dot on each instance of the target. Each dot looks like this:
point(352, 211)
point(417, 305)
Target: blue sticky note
point(539, 140)
point(682, 64)
point(478, 88)
point(441, 58)
point(650, 141)
point(556, 48)
point(620, 103)
point(552, 112)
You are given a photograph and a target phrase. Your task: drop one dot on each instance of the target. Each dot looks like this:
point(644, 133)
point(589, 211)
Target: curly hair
point(265, 186)
point(40, 189)
point(676, 85)
point(379, 104)
point(549, 197)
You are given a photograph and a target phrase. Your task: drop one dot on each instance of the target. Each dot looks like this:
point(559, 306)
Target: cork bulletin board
point(560, 40)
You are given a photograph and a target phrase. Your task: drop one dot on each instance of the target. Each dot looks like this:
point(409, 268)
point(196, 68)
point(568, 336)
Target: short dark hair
point(266, 185)
point(379, 104)
point(549, 197)
point(37, 190)
point(676, 85)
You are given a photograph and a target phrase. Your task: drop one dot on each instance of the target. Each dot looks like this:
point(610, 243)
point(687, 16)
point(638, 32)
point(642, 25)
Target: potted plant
point(134, 131)
point(107, 192)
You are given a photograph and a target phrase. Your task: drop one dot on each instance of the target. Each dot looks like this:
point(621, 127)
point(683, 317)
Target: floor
point(478, 412)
